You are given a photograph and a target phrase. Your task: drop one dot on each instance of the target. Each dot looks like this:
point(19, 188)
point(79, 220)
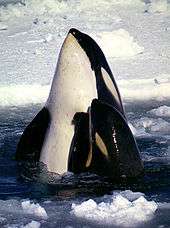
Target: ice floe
point(32, 224)
point(158, 6)
point(118, 43)
point(145, 88)
point(16, 95)
point(146, 125)
point(34, 208)
point(163, 111)
point(53, 7)
point(126, 209)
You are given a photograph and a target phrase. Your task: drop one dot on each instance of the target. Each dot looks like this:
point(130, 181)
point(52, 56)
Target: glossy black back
point(123, 155)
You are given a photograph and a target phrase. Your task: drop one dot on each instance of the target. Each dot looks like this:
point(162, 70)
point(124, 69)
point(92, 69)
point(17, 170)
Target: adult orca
point(82, 127)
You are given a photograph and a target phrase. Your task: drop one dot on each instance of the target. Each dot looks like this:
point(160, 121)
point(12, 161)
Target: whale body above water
point(82, 126)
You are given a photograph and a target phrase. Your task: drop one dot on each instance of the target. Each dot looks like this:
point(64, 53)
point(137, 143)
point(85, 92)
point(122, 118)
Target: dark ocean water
point(6, 2)
point(155, 184)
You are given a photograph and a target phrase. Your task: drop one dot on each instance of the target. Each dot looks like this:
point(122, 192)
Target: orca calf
point(82, 127)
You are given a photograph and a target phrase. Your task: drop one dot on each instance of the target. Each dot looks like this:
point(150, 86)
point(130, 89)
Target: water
point(57, 198)
point(5, 2)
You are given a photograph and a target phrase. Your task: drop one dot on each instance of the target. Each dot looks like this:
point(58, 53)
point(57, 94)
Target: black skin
point(80, 145)
point(123, 159)
point(31, 141)
point(123, 154)
point(98, 61)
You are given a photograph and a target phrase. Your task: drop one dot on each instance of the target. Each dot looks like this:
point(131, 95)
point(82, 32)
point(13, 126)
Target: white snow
point(131, 196)
point(52, 7)
point(123, 210)
point(118, 43)
point(34, 208)
point(48, 37)
point(36, 41)
point(31, 7)
point(135, 43)
point(158, 6)
point(145, 89)
point(146, 125)
point(3, 26)
point(16, 95)
point(163, 111)
point(32, 224)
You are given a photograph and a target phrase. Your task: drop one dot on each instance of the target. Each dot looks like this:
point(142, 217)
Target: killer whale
point(113, 151)
point(82, 127)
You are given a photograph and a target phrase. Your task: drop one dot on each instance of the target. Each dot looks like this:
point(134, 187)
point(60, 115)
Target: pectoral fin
point(31, 141)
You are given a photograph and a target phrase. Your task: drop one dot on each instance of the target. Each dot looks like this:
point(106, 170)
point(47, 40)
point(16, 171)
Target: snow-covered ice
point(134, 36)
point(145, 89)
point(3, 26)
point(118, 43)
point(40, 7)
point(16, 95)
point(25, 207)
point(34, 208)
point(120, 210)
point(158, 6)
point(125, 209)
point(163, 111)
point(32, 224)
point(36, 30)
point(152, 125)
